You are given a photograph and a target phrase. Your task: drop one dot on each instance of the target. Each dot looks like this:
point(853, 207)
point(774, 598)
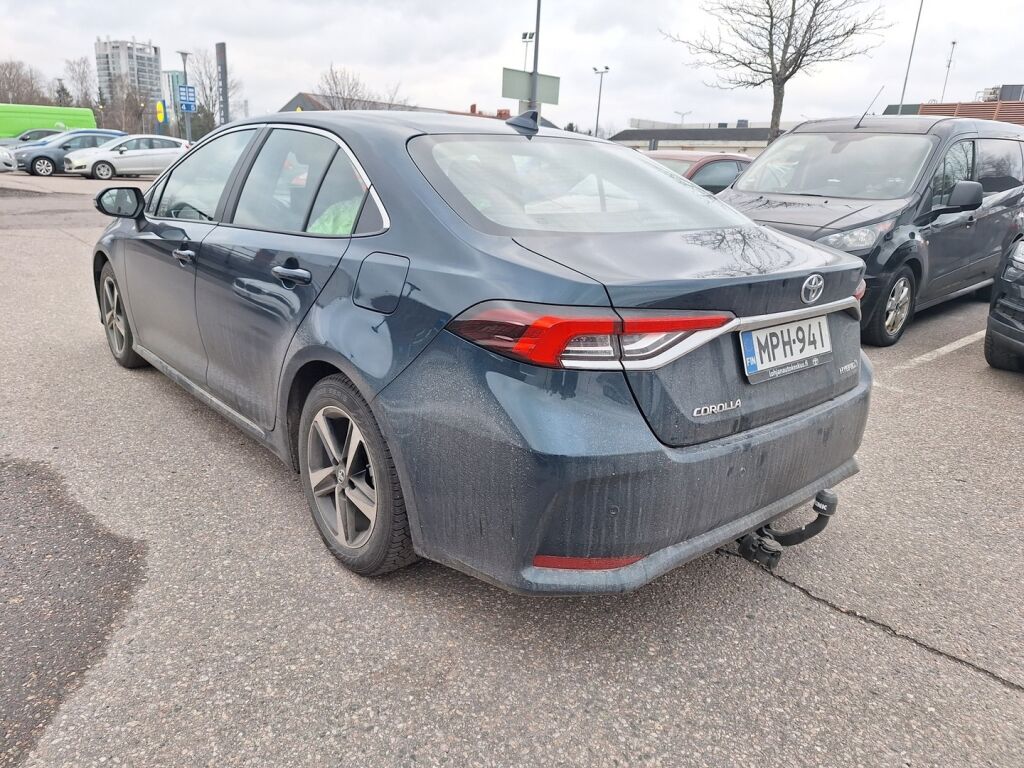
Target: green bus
point(15, 119)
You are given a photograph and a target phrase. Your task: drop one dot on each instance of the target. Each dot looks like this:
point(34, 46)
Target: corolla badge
point(708, 410)
point(812, 289)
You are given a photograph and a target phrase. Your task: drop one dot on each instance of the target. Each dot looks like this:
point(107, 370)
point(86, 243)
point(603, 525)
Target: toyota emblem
point(812, 289)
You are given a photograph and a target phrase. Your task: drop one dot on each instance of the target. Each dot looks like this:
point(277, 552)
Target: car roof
point(411, 123)
point(911, 124)
point(150, 136)
point(691, 154)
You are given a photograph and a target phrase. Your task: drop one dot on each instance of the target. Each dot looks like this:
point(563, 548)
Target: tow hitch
point(765, 545)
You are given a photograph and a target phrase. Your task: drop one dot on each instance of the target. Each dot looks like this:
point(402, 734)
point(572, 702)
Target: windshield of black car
point(552, 184)
point(869, 166)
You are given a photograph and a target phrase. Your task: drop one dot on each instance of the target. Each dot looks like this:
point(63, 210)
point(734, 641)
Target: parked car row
point(96, 153)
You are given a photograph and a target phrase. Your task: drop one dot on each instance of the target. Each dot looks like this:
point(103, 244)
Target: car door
point(262, 271)
point(716, 175)
point(164, 152)
point(160, 257)
point(130, 157)
point(1000, 170)
point(950, 238)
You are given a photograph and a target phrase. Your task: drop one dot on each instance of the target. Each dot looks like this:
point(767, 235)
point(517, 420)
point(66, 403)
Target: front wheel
point(350, 481)
point(115, 321)
point(103, 171)
point(42, 166)
point(893, 312)
point(998, 356)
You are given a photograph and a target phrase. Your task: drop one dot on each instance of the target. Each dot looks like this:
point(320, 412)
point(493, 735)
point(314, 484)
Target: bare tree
point(22, 84)
point(60, 94)
point(764, 42)
point(124, 107)
point(202, 73)
point(81, 81)
point(344, 89)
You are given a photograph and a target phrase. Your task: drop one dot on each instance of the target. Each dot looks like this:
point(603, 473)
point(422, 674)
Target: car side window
point(164, 144)
point(339, 200)
point(715, 176)
point(79, 142)
point(1000, 165)
point(283, 180)
point(957, 165)
point(135, 144)
point(195, 186)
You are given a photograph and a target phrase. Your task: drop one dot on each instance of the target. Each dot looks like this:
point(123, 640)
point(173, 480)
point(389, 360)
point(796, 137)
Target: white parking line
point(935, 354)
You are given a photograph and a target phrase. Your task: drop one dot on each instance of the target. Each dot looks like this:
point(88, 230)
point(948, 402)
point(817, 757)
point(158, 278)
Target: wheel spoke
point(327, 439)
point(363, 497)
point(353, 442)
point(323, 481)
point(108, 288)
point(108, 319)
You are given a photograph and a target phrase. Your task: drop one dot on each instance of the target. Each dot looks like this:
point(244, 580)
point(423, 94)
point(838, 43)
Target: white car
point(7, 161)
point(126, 156)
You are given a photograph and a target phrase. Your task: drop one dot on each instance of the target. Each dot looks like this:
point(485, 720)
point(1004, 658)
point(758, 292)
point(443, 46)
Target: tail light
point(578, 337)
point(584, 563)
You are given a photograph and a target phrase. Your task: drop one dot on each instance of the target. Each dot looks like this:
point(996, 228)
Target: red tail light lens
point(584, 563)
point(862, 288)
point(577, 337)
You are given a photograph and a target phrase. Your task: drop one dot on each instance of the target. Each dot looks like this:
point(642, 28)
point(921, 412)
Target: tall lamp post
point(184, 77)
point(682, 116)
point(910, 58)
point(600, 87)
point(535, 77)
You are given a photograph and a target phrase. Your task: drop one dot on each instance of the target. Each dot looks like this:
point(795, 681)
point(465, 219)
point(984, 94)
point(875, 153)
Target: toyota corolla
point(534, 356)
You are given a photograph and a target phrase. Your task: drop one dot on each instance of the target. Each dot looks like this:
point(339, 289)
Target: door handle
point(289, 275)
point(184, 256)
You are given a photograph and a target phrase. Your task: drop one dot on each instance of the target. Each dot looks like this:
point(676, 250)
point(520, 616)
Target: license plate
point(779, 350)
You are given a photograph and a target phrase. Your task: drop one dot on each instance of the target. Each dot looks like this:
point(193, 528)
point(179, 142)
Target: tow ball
point(765, 545)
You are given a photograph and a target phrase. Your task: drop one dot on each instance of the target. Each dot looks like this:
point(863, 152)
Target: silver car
point(126, 156)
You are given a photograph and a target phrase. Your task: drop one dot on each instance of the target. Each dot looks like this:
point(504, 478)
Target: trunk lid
point(749, 271)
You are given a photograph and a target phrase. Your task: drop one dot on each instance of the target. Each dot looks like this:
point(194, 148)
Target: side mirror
point(121, 202)
point(65, 146)
point(121, 150)
point(965, 196)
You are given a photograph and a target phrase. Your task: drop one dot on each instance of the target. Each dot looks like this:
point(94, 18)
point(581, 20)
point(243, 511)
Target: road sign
point(187, 95)
point(515, 84)
point(188, 106)
point(161, 112)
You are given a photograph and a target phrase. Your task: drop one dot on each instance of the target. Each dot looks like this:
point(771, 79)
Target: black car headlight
point(860, 239)
point(1014, 271)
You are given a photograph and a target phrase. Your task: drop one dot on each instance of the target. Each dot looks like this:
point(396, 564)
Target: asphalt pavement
point(205, 624)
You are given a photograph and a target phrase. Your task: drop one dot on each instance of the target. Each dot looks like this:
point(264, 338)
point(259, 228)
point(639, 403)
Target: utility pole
point(682, 116)
point(188, 115)
point(949, 63)
point(600, 87)
point(910, 58)
point(535, 77)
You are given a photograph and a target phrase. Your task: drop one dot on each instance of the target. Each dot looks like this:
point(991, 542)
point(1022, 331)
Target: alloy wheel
point(340, 474)
point(43, 167)
point(113, 316)
point(897, 306)
point(103, 172)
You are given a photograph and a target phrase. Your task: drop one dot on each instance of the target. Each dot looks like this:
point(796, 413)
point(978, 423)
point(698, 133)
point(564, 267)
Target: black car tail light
point(578, 337)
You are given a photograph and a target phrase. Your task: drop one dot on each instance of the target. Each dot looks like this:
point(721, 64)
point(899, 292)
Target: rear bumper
point(501, 462)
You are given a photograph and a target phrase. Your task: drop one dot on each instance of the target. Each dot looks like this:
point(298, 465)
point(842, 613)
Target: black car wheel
point(103, 171)
point(350, 481)
point(42, 166)
point(894, 310)
point(998, 356)
point(115, 321)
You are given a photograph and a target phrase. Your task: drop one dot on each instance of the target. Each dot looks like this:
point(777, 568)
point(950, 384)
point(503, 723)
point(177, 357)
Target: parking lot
point(167, 599)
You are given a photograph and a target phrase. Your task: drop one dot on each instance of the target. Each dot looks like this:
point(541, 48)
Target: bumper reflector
point(584, 563)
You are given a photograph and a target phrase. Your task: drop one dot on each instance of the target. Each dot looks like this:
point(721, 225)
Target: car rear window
point(545, 183)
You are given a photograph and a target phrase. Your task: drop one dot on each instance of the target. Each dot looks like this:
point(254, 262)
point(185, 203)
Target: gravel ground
point(895, 638)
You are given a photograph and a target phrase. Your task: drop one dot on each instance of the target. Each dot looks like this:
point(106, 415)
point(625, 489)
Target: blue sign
point(187, 95)
point(188, 106)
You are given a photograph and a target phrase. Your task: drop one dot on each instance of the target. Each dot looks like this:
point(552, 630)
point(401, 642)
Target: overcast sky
point(449, 53)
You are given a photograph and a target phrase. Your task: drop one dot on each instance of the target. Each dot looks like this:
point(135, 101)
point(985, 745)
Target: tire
point(999, 357)
point(117, 329)
point(103, 171)
point(360, 463)
point(984, 294)
point(41, 166)
point(894, 310)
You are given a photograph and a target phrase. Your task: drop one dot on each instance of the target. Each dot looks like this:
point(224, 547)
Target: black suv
point(932, 204)
point(1004, 338)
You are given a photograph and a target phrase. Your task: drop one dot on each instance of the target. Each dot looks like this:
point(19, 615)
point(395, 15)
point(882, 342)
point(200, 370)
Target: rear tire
point(103, 171)
point(999, 357)
point(894, 310)
point(350, 481)
point(115, 321)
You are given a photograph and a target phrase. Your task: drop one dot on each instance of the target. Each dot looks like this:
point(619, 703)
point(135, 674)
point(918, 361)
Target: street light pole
point(535, 78)
point(910, 58)
point(527, 39)
point(682, 116)
point(600, 87)
point(187, 115)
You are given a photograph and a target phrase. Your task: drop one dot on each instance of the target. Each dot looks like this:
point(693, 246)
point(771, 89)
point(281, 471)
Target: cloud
point(449, 53)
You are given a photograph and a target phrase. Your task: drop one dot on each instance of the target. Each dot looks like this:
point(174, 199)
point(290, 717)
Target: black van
point(932, 204)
